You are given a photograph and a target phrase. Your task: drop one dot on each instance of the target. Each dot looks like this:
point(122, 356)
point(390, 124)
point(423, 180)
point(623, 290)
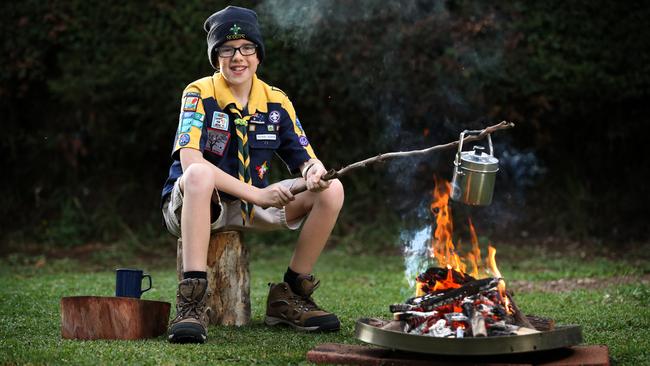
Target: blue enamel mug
point(128, 282)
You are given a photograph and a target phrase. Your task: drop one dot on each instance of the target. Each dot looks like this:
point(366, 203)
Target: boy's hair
point(229, 24)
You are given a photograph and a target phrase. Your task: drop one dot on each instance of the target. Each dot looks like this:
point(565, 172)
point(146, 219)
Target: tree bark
point(228, 278)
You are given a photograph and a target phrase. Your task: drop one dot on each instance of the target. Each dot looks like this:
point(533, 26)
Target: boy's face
point(238, 69)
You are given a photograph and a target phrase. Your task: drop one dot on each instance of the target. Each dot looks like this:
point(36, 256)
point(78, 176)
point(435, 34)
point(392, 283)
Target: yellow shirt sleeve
point(190, 121)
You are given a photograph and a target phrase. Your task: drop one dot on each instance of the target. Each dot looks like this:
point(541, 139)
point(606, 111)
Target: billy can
point(474, 174)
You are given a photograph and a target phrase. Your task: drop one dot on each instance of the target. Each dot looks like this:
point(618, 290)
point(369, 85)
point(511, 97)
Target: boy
point(230, 126)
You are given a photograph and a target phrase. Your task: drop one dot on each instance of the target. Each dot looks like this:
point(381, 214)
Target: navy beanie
point(229, 24)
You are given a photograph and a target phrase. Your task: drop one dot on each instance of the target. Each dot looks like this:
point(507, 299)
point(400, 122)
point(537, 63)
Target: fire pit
point(461, 306)
point(460, 315)
point(372, 331)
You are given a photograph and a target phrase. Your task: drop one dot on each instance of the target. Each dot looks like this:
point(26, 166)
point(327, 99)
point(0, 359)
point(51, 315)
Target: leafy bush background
point(89, 94)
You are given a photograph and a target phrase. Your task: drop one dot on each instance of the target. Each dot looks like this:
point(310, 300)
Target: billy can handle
point(460, 147)
point(490, 144)
point(460, 144)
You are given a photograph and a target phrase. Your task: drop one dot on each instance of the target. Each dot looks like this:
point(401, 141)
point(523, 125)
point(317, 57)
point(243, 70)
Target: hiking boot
point(191, 322)
point(298, 309)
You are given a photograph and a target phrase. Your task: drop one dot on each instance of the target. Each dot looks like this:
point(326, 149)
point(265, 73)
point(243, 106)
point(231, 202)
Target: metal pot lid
point(561, 336)
point(480, 162)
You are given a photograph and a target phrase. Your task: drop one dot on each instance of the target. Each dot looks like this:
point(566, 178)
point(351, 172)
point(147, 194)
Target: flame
point(475, 255)
point(442, 244)
point(447, 283)
point(446, 253)
point(492, 265)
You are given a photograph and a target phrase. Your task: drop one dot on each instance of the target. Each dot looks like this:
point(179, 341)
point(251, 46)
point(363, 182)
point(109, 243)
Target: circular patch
point(274, 116)
point(183, 139)
point(303, 141)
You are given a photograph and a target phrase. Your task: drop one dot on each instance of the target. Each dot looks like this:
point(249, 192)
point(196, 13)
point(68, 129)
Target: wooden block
point(95, 317)
point(228, 278)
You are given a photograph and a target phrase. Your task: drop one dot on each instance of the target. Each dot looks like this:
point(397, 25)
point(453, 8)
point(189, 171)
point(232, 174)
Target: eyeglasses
point(245, 50)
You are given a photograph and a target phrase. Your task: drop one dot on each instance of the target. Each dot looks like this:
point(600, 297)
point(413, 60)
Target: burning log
point(430, 301)
point(433, 275)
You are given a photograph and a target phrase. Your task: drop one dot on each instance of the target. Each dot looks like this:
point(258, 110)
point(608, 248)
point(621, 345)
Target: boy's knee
point(198, 179)
point(335, 194)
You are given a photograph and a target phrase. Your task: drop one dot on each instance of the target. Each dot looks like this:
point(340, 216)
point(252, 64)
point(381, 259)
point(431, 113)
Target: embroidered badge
point(217, 141)
point(299, 126)
point(220, 121)
point(188, 114)
point(266, 137)
point(258, 118)
point(198, 124)
point(251, 128)
point(198, 116)
point(262, 169)
point(183, 139)
point(274, 117)
point(185, 125)
point(271, 128)
point(190, 104)
point(303, 140)
point(192, 94)
point(235, 33)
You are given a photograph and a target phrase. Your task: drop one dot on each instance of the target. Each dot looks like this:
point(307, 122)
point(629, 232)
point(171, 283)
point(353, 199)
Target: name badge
point(266, 137)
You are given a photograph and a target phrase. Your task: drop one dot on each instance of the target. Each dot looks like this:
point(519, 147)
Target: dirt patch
point(563, 285)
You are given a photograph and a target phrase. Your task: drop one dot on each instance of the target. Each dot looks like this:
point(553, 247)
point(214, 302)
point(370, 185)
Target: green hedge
point(90, 93)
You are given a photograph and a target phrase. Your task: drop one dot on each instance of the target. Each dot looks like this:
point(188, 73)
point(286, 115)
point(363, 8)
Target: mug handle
point(148, 288)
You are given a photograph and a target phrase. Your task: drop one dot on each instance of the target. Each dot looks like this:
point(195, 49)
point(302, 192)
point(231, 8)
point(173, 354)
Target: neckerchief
point(243, 157)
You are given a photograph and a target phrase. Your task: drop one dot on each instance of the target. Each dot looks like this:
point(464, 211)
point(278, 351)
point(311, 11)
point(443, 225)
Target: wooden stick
point(519, 317)
point(300, 185)
point(541, 323)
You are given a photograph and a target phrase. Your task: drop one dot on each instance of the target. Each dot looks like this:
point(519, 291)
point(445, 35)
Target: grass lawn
point(607, 295)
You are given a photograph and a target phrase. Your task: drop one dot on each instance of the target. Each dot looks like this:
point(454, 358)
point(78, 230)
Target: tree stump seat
point(228, 278)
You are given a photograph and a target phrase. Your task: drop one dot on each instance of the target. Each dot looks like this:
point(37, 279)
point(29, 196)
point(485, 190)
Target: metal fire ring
point(561, 336)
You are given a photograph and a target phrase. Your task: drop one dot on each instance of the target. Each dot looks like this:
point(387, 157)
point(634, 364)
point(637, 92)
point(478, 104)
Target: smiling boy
point(230, 126)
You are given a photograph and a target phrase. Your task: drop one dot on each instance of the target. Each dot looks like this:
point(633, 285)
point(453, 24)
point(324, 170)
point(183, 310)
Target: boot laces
point(304, 303)
point(191, 307)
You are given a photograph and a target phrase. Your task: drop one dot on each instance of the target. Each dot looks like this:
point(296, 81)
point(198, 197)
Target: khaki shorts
point(229, 214)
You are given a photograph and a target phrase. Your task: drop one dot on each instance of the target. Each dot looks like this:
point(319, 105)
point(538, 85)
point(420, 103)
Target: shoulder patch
point(192, 94)
point(279, 90)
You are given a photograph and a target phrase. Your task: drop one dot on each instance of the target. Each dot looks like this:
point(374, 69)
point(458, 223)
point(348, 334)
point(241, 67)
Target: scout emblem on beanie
point(229, 24)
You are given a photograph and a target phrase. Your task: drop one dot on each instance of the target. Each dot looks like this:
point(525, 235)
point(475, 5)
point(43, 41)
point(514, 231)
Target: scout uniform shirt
point(206, 123)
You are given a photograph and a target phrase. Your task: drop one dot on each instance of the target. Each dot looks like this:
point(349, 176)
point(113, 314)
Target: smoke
point(300, 21)
point(416, 250)
point(519, 172)
point(420, 78)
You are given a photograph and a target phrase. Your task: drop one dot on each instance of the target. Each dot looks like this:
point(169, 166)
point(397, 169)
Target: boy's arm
point(274, 195)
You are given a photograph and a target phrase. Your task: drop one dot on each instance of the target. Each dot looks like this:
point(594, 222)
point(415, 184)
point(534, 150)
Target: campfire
point(463, 296)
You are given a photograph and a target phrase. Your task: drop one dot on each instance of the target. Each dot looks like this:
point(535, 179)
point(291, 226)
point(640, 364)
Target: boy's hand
point(313, 178)
point(275, 195)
